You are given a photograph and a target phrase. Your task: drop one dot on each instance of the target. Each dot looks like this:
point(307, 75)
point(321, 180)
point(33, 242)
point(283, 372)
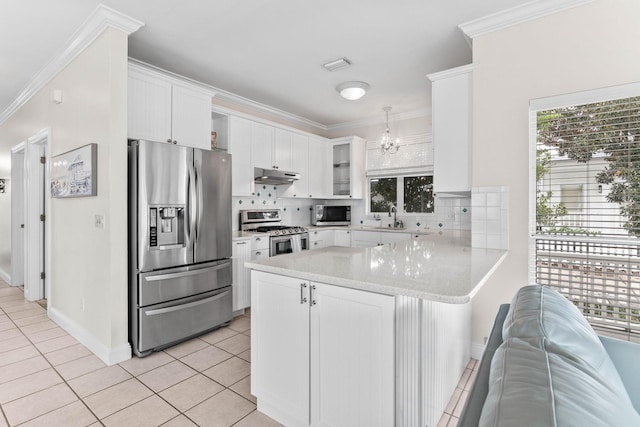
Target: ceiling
point(270, 52)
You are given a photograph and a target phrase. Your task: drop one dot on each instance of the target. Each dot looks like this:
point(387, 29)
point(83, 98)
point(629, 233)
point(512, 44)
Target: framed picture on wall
point(74, 173)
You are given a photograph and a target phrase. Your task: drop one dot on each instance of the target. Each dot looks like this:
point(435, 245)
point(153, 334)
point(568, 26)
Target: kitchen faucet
point(395, 211)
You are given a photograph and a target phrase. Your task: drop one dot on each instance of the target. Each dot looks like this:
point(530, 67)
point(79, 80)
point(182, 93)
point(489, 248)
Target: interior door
point(163, 192)
point(213, 192)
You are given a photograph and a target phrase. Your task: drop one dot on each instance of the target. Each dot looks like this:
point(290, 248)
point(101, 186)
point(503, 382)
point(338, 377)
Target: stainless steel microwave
point(330, 215)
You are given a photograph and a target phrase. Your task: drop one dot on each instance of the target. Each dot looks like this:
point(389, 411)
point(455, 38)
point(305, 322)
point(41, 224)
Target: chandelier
point(388, 145)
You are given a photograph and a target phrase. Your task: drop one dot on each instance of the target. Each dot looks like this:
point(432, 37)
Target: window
point(587, 209)
point(383, 193)
point(413, 193)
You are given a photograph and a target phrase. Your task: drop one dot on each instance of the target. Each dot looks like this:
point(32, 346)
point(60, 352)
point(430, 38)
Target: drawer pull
point(183, 306)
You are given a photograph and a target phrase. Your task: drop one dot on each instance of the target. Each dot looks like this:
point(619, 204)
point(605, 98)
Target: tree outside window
point(383, 194)
point(418, 194)
point(410, 194)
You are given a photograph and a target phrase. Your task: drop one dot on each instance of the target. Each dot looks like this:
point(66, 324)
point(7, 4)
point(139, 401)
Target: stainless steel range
point(283, 239)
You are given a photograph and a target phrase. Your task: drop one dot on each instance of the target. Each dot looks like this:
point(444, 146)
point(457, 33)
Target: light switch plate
point(99, 221)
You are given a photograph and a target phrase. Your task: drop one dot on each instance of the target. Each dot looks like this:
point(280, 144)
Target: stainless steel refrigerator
point(180, 243)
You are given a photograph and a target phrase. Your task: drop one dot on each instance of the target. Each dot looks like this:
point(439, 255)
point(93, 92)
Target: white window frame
point(399, 192)
point(579, 98)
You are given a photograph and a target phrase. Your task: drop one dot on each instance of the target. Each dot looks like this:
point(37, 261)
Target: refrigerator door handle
point(192, 203)
point(185, 306)
point(199, 195)
point(185, 273)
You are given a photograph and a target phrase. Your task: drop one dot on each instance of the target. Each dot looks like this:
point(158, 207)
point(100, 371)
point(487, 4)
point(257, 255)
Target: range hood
point(274, 176)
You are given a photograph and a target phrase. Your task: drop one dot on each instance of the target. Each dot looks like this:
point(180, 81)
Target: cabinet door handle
point(169, 140)
point(258, 239)
point(313, 295)
point(241, 243)
point(303, 299)
point(258, 253)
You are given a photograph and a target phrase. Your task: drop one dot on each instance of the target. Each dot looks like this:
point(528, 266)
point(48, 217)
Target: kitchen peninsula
point(364, 336)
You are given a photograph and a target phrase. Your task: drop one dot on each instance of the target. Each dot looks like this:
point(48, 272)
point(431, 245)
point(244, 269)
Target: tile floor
point(47, 378)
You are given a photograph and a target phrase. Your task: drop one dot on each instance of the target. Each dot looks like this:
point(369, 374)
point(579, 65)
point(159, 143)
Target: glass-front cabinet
point(348, 156)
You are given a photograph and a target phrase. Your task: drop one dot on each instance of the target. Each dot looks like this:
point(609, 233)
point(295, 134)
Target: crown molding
point(425, 112)
point(464, 69)
point(264, 108)
point(516, 15)
point(149, 69)
point(101, 18)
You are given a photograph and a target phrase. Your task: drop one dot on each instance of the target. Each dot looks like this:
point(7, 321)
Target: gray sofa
point(545, 366)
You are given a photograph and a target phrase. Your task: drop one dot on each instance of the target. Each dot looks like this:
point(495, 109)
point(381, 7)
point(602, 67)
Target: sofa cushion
point(541, 312)
point(531, 386)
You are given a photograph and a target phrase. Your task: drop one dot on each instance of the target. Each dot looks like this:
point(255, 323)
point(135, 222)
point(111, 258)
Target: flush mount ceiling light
point(352, 90)
point(388, 145)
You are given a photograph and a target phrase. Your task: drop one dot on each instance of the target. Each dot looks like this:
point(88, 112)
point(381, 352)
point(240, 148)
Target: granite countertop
point(443, 268)
point(243, 235)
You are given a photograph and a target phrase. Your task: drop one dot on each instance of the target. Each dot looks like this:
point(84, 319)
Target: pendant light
point(388, 145)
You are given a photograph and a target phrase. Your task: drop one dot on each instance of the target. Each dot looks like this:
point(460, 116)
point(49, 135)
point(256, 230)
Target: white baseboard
point(108, 355)
point(4, 276)
point(476, 350)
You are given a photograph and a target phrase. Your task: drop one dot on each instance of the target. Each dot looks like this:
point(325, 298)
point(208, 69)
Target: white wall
point(87, 263)
point(587, 47)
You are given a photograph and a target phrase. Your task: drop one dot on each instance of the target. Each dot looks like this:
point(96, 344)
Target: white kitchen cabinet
point(348, 162)
point(392, 237)
point(262, 142)
point(239, 140)
point(365, 239)
point(369, 239)
point(299, 164)
point(164, 109)
point(282, 150)
point(322, 355)
point(280, 345)
point(259, 247)
point(452, 129)
point(241, 252)
point(342, 238)
point(319, 162)
point(319, 239)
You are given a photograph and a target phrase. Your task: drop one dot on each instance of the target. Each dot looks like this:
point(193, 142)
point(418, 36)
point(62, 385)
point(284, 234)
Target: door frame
point(37, 201)
point(18, 248)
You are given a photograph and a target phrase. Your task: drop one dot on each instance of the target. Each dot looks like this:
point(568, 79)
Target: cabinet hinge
point(42, 275)
point(43, 160)
point(42, 217)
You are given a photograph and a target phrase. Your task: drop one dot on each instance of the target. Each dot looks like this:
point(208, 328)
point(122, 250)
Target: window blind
point(414, 156)
point(587, 214)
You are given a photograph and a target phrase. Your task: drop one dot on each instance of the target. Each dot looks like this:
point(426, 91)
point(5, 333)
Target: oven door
point(288, 244)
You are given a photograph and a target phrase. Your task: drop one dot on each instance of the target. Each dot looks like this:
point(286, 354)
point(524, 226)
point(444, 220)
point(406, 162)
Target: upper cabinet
point(348, 158)
point(162, 108)
point(262, 145)
point(299, 163)
point(239, 141)
point(319, 162)
point(452, 129)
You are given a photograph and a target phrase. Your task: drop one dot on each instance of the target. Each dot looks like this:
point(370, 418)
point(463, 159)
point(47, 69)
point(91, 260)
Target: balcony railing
point(601, 279)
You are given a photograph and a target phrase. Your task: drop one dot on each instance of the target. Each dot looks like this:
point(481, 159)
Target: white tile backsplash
point(450, 213)
point(490, 219)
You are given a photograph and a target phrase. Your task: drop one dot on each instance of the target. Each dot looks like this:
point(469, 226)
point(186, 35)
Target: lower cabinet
point(319, 239)
point(368, 239)
point(241, 288)
point(342, 238)
point(321, 355)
